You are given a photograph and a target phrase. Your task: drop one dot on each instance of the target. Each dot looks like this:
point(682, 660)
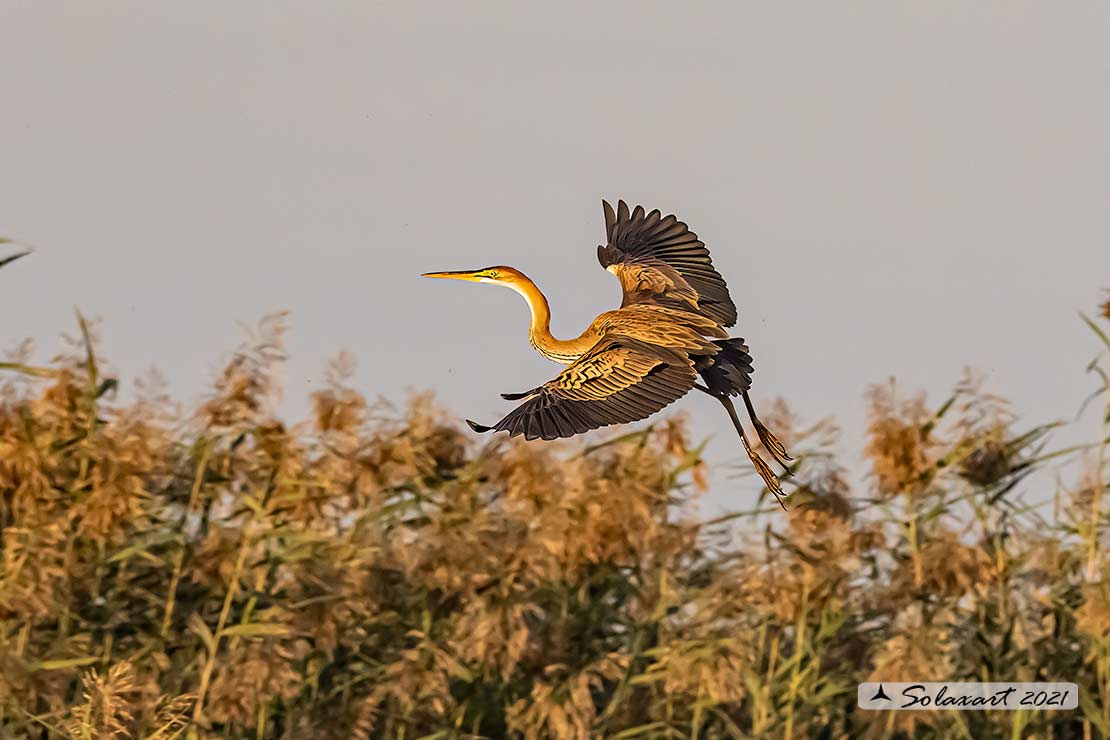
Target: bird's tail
point(729, 371)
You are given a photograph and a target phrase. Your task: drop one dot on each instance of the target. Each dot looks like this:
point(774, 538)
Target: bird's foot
point(776, 449)
point(769, 441)
point(769, 478)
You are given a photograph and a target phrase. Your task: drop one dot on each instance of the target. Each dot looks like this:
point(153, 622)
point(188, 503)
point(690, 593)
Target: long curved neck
point(539, 333)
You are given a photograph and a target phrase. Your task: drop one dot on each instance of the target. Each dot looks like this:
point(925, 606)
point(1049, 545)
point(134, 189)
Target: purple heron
point(634, 361)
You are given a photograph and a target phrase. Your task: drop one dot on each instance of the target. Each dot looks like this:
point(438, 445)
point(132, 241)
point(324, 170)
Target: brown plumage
point(634, 361)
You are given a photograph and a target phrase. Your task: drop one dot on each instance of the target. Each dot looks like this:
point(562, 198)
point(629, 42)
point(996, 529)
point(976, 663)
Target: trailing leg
point(761, 467)
point(770, 442)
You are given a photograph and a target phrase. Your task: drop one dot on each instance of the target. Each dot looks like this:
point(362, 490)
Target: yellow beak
point(469, 275)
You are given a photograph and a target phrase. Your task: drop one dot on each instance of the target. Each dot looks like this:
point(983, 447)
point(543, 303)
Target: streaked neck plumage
point(539, 333)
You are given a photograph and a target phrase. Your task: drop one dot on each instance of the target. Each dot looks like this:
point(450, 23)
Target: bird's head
point(499, 275)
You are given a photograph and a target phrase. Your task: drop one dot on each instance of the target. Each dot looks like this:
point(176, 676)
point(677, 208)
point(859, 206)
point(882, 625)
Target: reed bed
point(375, 572)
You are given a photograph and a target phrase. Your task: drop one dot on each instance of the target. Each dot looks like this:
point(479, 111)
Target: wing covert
point(620, 380)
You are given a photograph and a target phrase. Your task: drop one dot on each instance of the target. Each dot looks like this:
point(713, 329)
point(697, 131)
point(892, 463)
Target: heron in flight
point(634, 361)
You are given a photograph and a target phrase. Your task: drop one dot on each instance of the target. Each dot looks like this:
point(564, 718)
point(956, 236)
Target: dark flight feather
point(651, 252)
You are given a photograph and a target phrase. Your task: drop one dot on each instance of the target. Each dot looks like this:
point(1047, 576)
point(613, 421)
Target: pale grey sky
point(889, 188)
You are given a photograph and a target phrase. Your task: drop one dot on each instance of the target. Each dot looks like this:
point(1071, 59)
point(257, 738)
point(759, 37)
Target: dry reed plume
point(377, 574)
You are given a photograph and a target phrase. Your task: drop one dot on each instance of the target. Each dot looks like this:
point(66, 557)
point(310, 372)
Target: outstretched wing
point(620, 380)
point(659, 260)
